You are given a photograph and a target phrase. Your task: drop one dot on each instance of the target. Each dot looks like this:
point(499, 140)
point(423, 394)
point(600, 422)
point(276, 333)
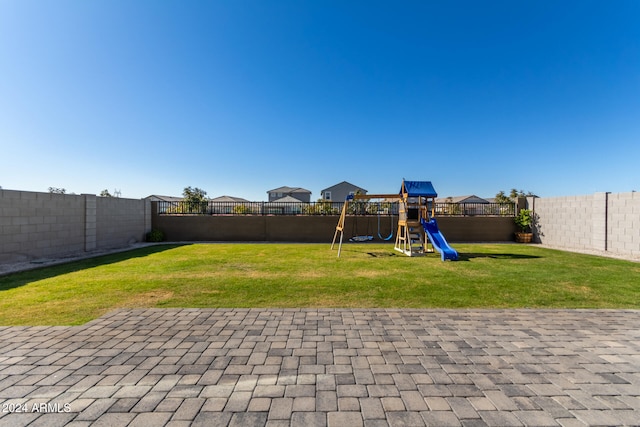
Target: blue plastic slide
point(438, 241)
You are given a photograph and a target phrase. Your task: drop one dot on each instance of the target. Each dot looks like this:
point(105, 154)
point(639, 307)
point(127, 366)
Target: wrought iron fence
point(249, 208)
point(327, 208)
point(475, 209)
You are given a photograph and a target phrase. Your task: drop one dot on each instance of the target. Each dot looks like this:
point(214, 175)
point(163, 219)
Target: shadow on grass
point(359, 249)
point(382, 254)
point(467, 256)
point(21, 278)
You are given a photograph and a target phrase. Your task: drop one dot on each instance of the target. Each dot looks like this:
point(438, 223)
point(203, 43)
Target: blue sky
point(240, 97)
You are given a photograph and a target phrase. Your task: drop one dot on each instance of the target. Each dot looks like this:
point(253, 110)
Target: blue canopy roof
point(419, 188)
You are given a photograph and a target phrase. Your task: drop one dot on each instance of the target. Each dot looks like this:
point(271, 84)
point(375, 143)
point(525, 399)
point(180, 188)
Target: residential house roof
point(342, 183)
point(228, 199)
point(462, 199)
point(155, 197)
point(286, 189)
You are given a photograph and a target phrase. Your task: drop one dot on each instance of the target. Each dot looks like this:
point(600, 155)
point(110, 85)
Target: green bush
point(241, 210)
point(524, 220)
point(155, 236)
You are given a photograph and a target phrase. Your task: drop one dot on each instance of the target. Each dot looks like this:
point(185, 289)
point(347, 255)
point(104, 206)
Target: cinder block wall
point(623, 225)
point(42, 225)
point(121, 222)
point(564, 221)
point(600, 222)
point(36, 225)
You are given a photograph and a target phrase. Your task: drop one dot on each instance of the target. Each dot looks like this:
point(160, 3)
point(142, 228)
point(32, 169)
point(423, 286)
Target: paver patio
point(325, 367)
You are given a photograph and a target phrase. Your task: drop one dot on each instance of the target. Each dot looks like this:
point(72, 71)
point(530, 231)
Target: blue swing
point(390, 236)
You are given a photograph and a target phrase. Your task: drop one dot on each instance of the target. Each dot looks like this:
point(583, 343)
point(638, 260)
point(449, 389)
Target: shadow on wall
point(21, 278)
point(536, 228)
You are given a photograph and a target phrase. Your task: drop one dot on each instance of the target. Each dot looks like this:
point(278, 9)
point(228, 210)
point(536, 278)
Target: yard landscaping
point(310, 275)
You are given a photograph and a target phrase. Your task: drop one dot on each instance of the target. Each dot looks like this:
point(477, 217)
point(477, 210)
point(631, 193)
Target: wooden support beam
point(376, 196)
point(340, 229)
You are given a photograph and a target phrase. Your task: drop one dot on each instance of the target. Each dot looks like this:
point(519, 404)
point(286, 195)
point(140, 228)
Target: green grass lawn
point(310, 275)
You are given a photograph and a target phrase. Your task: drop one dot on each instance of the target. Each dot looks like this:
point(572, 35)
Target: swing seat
point(360, 239)
point(390, 236)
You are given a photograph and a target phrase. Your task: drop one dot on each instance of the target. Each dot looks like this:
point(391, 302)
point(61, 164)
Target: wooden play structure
point(417, 232)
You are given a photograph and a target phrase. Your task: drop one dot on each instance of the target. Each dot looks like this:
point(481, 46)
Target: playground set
point(417, 232)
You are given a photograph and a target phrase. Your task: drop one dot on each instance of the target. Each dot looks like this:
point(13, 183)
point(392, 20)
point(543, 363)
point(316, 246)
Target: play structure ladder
point(411, 239)
point(416, 238)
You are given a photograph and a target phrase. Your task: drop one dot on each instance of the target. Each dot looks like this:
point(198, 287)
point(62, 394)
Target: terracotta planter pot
point(524, 237)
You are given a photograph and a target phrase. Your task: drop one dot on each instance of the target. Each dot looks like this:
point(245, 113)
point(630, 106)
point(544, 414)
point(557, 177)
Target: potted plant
point(523, 221)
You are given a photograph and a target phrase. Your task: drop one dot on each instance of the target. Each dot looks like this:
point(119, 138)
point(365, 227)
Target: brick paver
point(325, 367)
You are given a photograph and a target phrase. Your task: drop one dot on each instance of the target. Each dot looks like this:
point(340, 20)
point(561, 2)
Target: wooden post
point(340, 228)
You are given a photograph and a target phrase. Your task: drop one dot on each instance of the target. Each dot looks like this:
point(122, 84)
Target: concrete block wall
point(42, 225)
point(597, 222)
point(121, 222)
point(563, 221)
point(90, 208)
point(599, 218)
point(623, 225)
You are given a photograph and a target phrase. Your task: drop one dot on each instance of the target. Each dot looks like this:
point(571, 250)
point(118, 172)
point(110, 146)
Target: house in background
point(462, 199)
point(225, 205)
point(164, 207)
point(228, 199)
point(461, 205)
point(301, 194)
point(157, 198)
point(339, 192)
point(288, 205)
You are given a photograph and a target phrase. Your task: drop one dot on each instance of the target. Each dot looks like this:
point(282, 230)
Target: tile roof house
point(157, 198)
point(301, 194)
point(167, 202)
point(340, 191)
point(230, 205)
point(287, 205)
point(228, 199)
point(462, 205)
point(462, 199)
